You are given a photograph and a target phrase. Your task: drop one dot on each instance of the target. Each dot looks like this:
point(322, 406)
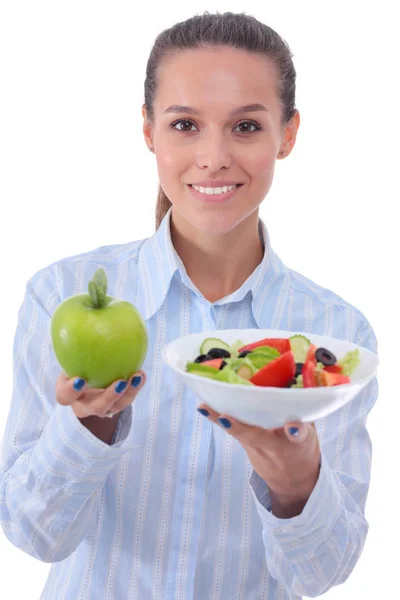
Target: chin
point(215, 222)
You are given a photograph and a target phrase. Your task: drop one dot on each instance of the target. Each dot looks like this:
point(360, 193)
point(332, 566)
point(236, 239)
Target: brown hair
point(221, 29)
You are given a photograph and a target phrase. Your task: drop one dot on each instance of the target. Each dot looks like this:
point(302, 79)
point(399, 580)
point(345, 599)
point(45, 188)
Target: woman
point(159, 501)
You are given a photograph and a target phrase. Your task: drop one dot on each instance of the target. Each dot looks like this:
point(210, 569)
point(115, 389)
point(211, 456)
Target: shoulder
point(324, 303)
point(71, 275)
point(303, 285)
point(112, 255)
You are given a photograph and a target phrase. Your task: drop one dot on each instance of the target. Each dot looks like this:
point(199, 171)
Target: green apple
point(98, 337)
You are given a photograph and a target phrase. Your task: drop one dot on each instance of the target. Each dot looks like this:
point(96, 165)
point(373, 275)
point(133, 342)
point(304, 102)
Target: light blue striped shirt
point(172, 510)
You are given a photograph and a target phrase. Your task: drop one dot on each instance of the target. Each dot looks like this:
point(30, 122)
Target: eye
point(182, 121)
point(249, 123)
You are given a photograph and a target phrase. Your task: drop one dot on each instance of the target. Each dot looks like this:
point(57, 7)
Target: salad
point(273, 362)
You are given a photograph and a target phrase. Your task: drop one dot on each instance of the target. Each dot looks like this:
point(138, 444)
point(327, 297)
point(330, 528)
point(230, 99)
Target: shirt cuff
point(68, 454)
point(311, 526)
point(123, 426)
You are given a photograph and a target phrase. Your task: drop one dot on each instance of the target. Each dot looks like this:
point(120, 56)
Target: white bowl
point(269, 407)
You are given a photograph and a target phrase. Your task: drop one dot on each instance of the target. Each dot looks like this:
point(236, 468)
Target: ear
point(147, 128)
point(290, 133)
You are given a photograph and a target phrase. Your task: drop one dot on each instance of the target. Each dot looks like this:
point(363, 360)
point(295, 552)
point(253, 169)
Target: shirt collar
point(159, 263)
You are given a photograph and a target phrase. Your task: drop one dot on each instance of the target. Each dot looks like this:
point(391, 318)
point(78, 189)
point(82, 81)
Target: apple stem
point(98, 289)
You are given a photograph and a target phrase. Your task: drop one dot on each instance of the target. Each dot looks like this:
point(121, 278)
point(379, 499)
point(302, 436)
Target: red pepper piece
point(280, 344)
point(214, 362)
point(333, 368)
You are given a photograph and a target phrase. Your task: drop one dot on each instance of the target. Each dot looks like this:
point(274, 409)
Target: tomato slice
point(214, 362)
point(311, 355)
point(277, 373)
point(333, 378)
point(333, 368)
point(280, 344)
point(309, 379)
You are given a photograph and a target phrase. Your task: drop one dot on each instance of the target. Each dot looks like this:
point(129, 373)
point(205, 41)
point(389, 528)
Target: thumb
point(296, 432)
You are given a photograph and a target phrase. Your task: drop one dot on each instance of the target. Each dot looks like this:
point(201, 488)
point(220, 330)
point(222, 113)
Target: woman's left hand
point(287, 459)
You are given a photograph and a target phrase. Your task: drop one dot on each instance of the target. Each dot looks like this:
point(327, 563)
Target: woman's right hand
point(86, 402)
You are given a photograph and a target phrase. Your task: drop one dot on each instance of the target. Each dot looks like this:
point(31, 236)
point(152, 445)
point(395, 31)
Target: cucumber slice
point(237, 363)
point(212, 343)
point(300, 345)
point(245, 371)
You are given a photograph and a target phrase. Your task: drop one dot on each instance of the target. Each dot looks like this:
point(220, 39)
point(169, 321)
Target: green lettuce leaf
point(262, 356)
point(299, 382)
point(200, 369)
point(350, 362)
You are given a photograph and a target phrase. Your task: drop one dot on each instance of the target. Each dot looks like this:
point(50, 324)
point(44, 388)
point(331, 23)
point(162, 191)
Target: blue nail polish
point(225, 423)
point(136, 381)
point(121, 385)
point(79, 383)
point(203, 411)
point(294, 431)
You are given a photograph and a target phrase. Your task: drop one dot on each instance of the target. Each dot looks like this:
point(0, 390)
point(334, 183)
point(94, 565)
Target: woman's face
point(211, 143)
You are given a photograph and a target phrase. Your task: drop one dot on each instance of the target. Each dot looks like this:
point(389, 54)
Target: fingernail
point(203, 411)
point(136, 381)
point(225, 422)
point(78, 384)
point(121, 385)
point(294, 431)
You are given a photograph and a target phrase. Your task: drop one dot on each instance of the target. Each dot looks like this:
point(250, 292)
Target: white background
point(75, 174)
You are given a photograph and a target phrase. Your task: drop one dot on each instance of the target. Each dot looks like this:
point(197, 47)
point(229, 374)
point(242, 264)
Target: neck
point(218, 264)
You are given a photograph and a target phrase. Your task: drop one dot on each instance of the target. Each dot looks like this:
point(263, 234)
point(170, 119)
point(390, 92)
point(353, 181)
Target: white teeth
point(211, 191)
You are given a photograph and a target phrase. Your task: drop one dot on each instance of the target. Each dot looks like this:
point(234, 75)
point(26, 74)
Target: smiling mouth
point(215, 190)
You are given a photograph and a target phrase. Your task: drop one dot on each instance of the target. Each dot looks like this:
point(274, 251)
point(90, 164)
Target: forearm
point(48, 524)
point(289, 503)
point(318, 548)
point(49, 494)
point(103, 429)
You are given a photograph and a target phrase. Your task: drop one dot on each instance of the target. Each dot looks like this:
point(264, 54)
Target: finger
point(208, 412)
point(248, 435)
point(129, 397)
point(101, 403)
point(297, 432)
point(119, 391)
point(68, 390)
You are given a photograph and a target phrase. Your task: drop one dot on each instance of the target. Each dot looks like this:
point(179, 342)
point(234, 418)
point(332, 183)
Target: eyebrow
point(177, 108)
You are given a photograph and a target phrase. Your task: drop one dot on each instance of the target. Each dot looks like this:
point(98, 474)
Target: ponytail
point(162, 207)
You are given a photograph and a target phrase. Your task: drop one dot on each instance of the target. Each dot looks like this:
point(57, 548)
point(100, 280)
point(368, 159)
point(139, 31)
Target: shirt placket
point(186, 534)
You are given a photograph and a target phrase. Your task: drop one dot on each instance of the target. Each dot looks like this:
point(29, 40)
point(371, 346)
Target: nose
point(214, 153)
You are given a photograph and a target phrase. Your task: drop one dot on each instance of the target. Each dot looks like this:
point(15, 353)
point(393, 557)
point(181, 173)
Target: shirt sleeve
point(52, 468)
point(319, 548)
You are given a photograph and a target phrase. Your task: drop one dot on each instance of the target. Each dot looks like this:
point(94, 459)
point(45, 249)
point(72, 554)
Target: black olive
point(223, 364)
point(325, 357)
point(299, 369)
point(218, 353)
point(291, 382)
point(244, 353)
point(201, 358)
